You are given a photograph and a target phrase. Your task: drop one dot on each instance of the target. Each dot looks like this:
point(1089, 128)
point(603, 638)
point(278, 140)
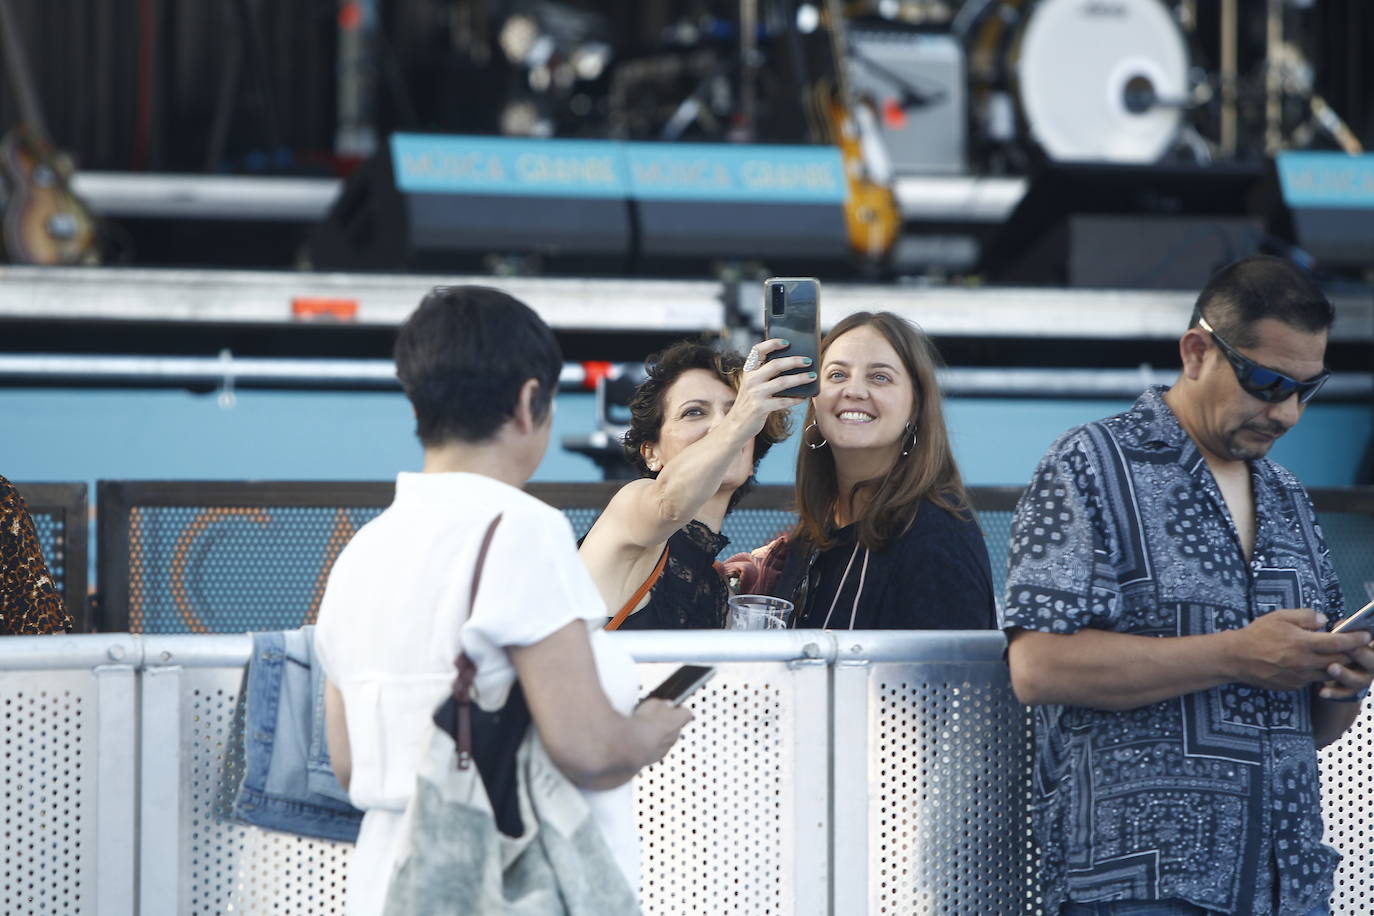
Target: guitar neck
point(20, 79)
point(839, 52)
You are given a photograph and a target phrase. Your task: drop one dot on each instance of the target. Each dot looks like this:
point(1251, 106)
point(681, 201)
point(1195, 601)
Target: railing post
point(811, 874)
point(160, 793)
point(116, 772)
point(849, 787)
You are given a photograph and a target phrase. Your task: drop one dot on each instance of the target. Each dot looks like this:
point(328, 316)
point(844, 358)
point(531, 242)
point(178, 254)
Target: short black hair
point(1258, 287)
point(462, 357)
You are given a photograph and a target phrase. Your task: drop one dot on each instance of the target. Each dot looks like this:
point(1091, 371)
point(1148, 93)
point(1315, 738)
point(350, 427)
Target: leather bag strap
point(640, 592)
point(467, 671)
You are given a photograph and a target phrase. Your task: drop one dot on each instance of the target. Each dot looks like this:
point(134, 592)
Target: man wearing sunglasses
point(1167, 606)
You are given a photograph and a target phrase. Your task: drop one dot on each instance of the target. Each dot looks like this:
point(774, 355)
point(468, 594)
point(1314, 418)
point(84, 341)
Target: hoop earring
point(816, 445)
point(912, 444)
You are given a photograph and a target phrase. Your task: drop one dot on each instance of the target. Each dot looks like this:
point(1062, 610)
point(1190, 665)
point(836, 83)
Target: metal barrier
point(825, 773)
point(60, 514)
point(231, 556)
point(70, 806)
point(234, 556)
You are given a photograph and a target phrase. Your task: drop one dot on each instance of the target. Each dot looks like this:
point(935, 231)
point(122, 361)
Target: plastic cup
point(757, 612)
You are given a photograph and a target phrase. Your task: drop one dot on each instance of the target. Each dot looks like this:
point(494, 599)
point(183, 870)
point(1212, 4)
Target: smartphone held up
point(792, 311)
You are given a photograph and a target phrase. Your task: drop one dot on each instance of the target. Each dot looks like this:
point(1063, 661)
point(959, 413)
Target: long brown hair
point(927, 473)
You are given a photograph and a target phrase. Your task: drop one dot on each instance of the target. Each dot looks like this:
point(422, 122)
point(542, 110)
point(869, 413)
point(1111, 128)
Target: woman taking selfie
point(886, 538)
point(701, 422)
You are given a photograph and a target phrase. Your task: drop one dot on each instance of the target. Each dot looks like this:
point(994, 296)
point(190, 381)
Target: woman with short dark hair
point(702, 420)
point(480, 369)
point(886, 538)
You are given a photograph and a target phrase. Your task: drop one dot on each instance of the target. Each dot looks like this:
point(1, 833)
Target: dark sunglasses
point(1264, 383)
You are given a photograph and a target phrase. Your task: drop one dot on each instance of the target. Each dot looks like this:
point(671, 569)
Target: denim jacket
point(287, 780)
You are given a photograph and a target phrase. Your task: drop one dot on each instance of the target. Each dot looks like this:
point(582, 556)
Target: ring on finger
point(752, 361)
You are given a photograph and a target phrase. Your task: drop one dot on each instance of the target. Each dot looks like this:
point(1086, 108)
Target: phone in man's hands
point(1363, 619)
point(792, 310)
point(682, 683)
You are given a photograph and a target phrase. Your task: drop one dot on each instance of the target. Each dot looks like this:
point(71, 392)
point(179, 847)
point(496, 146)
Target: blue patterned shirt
point(1211, 797)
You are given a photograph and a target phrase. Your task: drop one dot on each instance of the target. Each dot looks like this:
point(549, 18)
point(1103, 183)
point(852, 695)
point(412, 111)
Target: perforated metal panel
point(750, 528)
point(52, 540)
point(581, 518)
point(1350, 537)
point(718, 818)
point(949, 770)
point(49, 798)
point(283, 874)
point(231, 867)
point(1347, 786)
point(996, 525)
point(220, 569)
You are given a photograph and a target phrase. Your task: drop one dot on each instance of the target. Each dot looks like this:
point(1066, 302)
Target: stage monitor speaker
point(738, 202)
point(1130, 227)
point(1331, 198)
point(427, 201)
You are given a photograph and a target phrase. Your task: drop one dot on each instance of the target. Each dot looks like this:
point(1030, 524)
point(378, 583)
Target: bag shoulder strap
point(640, 592)
point(467, 671)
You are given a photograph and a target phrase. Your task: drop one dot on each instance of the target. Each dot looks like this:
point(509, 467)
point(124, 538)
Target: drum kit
point(1123, 82)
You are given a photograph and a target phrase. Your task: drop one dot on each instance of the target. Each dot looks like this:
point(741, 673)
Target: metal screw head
point(166, 657)
point(116, 653)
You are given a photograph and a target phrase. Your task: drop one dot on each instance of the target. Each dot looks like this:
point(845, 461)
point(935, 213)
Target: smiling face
point(692, 406)
point(867, 397)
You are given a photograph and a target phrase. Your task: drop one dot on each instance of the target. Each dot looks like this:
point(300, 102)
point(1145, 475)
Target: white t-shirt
point(394, 618)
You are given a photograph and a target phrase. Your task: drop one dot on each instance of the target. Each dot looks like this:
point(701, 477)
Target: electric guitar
point(44, 222)
point(872, 217)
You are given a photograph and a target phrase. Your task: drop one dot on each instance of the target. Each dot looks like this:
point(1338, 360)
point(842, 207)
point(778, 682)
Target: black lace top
point(691, 594)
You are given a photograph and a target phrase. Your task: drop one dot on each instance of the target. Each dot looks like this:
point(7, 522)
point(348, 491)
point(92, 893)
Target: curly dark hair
point(663, 369)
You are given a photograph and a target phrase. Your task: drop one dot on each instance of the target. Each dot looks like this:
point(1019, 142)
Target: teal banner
point(608, 169)
point(435, 164)
point(1328, 181)
point(736, 173)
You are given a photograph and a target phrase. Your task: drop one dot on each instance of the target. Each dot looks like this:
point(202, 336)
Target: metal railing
point(825, 773)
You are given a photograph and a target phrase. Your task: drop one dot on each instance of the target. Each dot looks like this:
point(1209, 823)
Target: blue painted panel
point(437, 164)
point(54, 434)
point(1327, 180)
point(753, 173)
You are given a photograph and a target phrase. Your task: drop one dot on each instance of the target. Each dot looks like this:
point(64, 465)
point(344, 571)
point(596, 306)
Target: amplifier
point(426, 196)
point(738, 201)
point(1331, 198)
point(426, 199)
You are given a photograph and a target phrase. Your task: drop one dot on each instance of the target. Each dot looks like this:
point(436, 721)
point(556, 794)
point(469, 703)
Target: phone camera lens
point(779, 298)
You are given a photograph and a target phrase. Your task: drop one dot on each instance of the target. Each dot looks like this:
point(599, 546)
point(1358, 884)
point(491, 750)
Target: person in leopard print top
point(29, 601)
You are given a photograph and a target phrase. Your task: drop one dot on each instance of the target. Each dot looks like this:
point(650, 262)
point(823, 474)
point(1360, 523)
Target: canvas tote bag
point(456, 860)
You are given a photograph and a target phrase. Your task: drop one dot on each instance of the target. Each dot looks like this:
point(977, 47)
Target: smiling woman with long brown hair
point(886, 538)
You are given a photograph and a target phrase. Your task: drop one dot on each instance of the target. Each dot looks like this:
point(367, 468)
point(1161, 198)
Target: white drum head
point(1077, 60)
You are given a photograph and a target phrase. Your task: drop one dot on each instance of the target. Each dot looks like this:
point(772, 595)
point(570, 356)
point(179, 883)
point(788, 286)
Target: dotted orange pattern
point(29, 600)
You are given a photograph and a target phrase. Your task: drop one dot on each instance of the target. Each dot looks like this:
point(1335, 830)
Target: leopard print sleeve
point(29, 601)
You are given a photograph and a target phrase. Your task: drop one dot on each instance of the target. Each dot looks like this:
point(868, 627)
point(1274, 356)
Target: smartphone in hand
point(682, 683)
point(792, 310)
point(1363, 619)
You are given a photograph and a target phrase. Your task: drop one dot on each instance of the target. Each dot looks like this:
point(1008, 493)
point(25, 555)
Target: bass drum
point(1090, 80)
